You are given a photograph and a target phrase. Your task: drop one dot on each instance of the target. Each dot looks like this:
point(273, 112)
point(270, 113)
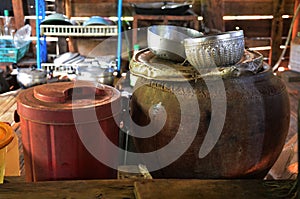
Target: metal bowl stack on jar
point(222, 49)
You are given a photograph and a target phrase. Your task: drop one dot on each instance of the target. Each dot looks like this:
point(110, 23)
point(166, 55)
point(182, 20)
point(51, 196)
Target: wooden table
point(146, 189)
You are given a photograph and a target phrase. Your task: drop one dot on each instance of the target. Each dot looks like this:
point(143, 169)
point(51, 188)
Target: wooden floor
point(285, 168)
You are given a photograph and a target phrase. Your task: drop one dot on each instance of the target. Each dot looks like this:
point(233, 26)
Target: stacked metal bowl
point(202, 51)
point(166, 41)
point(222, 49)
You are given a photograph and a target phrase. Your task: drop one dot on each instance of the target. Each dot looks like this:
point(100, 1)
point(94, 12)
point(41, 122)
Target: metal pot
point(161, 8)
point(28, 77)
point(96, 74)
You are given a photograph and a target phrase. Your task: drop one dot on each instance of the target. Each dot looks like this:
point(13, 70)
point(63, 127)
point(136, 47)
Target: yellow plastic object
point(6, 136)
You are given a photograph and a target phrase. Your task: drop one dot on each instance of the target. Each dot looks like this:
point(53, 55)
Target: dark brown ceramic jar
point(256, 121)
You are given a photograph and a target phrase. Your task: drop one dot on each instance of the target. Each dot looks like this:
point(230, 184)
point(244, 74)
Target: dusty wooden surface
point(144, 189)
point(8, 106)
point(81, 189)
point(212, 189)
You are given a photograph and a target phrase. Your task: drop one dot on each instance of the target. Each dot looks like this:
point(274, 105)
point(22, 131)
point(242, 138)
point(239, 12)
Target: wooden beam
point(276, 31)
point(60, 7)
point(212, 12)
point(296, 22)
point(18, 13)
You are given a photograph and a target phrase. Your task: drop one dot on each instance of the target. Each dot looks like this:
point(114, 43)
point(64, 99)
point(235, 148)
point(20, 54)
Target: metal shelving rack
point(81, 31)
point(41, 44)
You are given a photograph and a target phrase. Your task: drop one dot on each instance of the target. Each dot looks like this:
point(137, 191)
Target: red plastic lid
point(56, 101)
point(68, 92)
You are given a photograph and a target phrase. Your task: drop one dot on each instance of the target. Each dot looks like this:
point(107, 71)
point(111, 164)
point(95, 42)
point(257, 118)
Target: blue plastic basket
point(9, 53)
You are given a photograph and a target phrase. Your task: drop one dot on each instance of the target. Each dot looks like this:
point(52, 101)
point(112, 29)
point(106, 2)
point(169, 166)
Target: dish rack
point(63, 30)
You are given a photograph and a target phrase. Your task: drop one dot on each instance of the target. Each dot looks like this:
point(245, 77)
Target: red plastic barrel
point(59, 121)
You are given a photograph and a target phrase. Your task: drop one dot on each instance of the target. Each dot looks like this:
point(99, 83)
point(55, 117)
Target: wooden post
point(60, 7)
point(18, 13)
point(212, 12)
point(296, 22)
point(276, 32)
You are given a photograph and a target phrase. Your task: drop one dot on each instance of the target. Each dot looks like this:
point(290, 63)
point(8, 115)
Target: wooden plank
point(276, 33)
point(158, 188)
point(259, 42)
point(296, 22)
point(212, 189)
point(8, 106)
point(213, 20)
point(255, 7)
point(231, 7)
point(256, 28)
point(60, 6)
point(81, 8)
point(18, 13)
point(255, 42)
point(9, 101)
point(81, 189)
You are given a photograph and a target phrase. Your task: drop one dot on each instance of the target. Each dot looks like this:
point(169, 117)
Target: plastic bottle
point(136, 48)
point(294, 63)
point(6, 26)
point(22, 36)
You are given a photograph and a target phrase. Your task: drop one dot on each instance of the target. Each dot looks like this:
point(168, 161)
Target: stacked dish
point(96, 20)
point(56, 19)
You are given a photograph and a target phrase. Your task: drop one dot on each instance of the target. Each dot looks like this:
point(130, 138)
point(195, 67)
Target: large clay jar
point(253, 132)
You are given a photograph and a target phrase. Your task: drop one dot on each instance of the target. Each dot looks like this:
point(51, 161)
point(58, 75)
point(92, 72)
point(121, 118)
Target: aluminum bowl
point(217, 50)
point(166, 41)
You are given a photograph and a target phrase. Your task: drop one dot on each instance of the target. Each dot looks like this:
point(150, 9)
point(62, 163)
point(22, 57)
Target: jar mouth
point(147, 65)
